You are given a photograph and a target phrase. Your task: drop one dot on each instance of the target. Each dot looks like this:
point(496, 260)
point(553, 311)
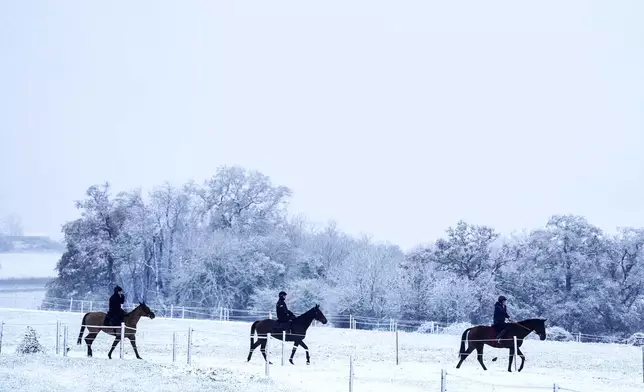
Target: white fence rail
point(183, 341)
point(224, 313)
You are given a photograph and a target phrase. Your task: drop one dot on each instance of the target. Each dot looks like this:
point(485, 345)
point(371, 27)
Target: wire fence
point(209, 343)
point(347, 321)
point(454, 382)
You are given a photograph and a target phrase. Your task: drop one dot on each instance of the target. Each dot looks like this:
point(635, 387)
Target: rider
point(284, 316)
point(116, 314)
point(500, 315)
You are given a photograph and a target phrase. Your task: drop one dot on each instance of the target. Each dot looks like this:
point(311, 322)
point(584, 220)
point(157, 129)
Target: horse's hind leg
point(116, 341)
point(252, 348)
point(522, 359)
point(295, 344)
point(464, 355)
point(308, 357)
point(479, 354)
point(263, 349)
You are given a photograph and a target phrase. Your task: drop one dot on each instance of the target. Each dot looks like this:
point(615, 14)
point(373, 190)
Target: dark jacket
point(116, 301)
point(283, 314)
point(500, 313)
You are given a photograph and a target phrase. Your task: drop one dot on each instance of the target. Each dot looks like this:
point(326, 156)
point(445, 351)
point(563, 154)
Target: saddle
point(112, 320)
point(497, 332)
point(283, 326)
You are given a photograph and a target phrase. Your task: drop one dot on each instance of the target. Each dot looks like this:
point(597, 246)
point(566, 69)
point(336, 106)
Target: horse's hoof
point(291, 361)
point(308, 363)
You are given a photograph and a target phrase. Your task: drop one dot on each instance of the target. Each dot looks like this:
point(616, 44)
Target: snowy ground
point(220, 348)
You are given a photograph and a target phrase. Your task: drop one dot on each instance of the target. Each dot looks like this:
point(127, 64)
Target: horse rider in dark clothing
point(500, 315)
point(284, 316)
point(116, 314)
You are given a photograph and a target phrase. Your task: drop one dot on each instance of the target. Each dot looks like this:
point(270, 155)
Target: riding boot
point(500, 335)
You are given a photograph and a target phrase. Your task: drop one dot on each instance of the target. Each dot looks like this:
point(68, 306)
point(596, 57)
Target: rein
point(523, 326)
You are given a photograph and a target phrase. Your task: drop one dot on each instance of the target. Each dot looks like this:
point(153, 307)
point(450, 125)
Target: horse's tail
point(252, 332)
point(80, 335)
point(463, 339)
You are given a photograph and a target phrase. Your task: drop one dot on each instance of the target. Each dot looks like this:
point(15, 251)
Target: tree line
point(230, 241)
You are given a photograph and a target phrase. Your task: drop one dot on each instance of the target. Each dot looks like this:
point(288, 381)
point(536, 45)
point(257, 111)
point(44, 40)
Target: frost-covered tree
point(419, 277)
point(90, 265)
point(366, 281)
point(467, 251)
point(12, 225)
point(172, 213)
point(326, 250)
point(30, 343)
point(242, 200)
point(619, 301)
point(229, 241)
point(5, 244)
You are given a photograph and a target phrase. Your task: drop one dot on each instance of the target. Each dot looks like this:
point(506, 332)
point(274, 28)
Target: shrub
point(30, 343)
point(636, 339)
point(559, 334)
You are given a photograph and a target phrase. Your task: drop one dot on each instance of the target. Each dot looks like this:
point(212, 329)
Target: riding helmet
point(117, 289)
point(282, 294)
point(502, 298)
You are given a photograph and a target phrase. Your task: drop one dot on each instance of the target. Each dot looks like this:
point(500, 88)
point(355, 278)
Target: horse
point(92, 320)
point(297, 334)
point(480, 335)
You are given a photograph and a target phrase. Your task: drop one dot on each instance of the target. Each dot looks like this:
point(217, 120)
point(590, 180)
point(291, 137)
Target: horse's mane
point(135, 308)
point(531, 323)
point(307, 313)
point(532, 320)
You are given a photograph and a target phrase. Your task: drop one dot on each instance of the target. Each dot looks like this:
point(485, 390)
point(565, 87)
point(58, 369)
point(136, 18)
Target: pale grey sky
point(395, 118)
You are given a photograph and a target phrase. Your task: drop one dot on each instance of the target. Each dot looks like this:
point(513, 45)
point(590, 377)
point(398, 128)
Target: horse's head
point(539, 327)
point(145, 311)
point(318, 315)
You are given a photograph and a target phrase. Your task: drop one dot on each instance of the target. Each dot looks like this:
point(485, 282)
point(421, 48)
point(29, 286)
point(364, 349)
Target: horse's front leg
point(522, 359)
point(133, 342)
point(308, 357)
point(511, 357)
point(295, 344)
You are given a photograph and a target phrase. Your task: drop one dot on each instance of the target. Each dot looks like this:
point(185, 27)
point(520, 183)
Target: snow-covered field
point(220, 348)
